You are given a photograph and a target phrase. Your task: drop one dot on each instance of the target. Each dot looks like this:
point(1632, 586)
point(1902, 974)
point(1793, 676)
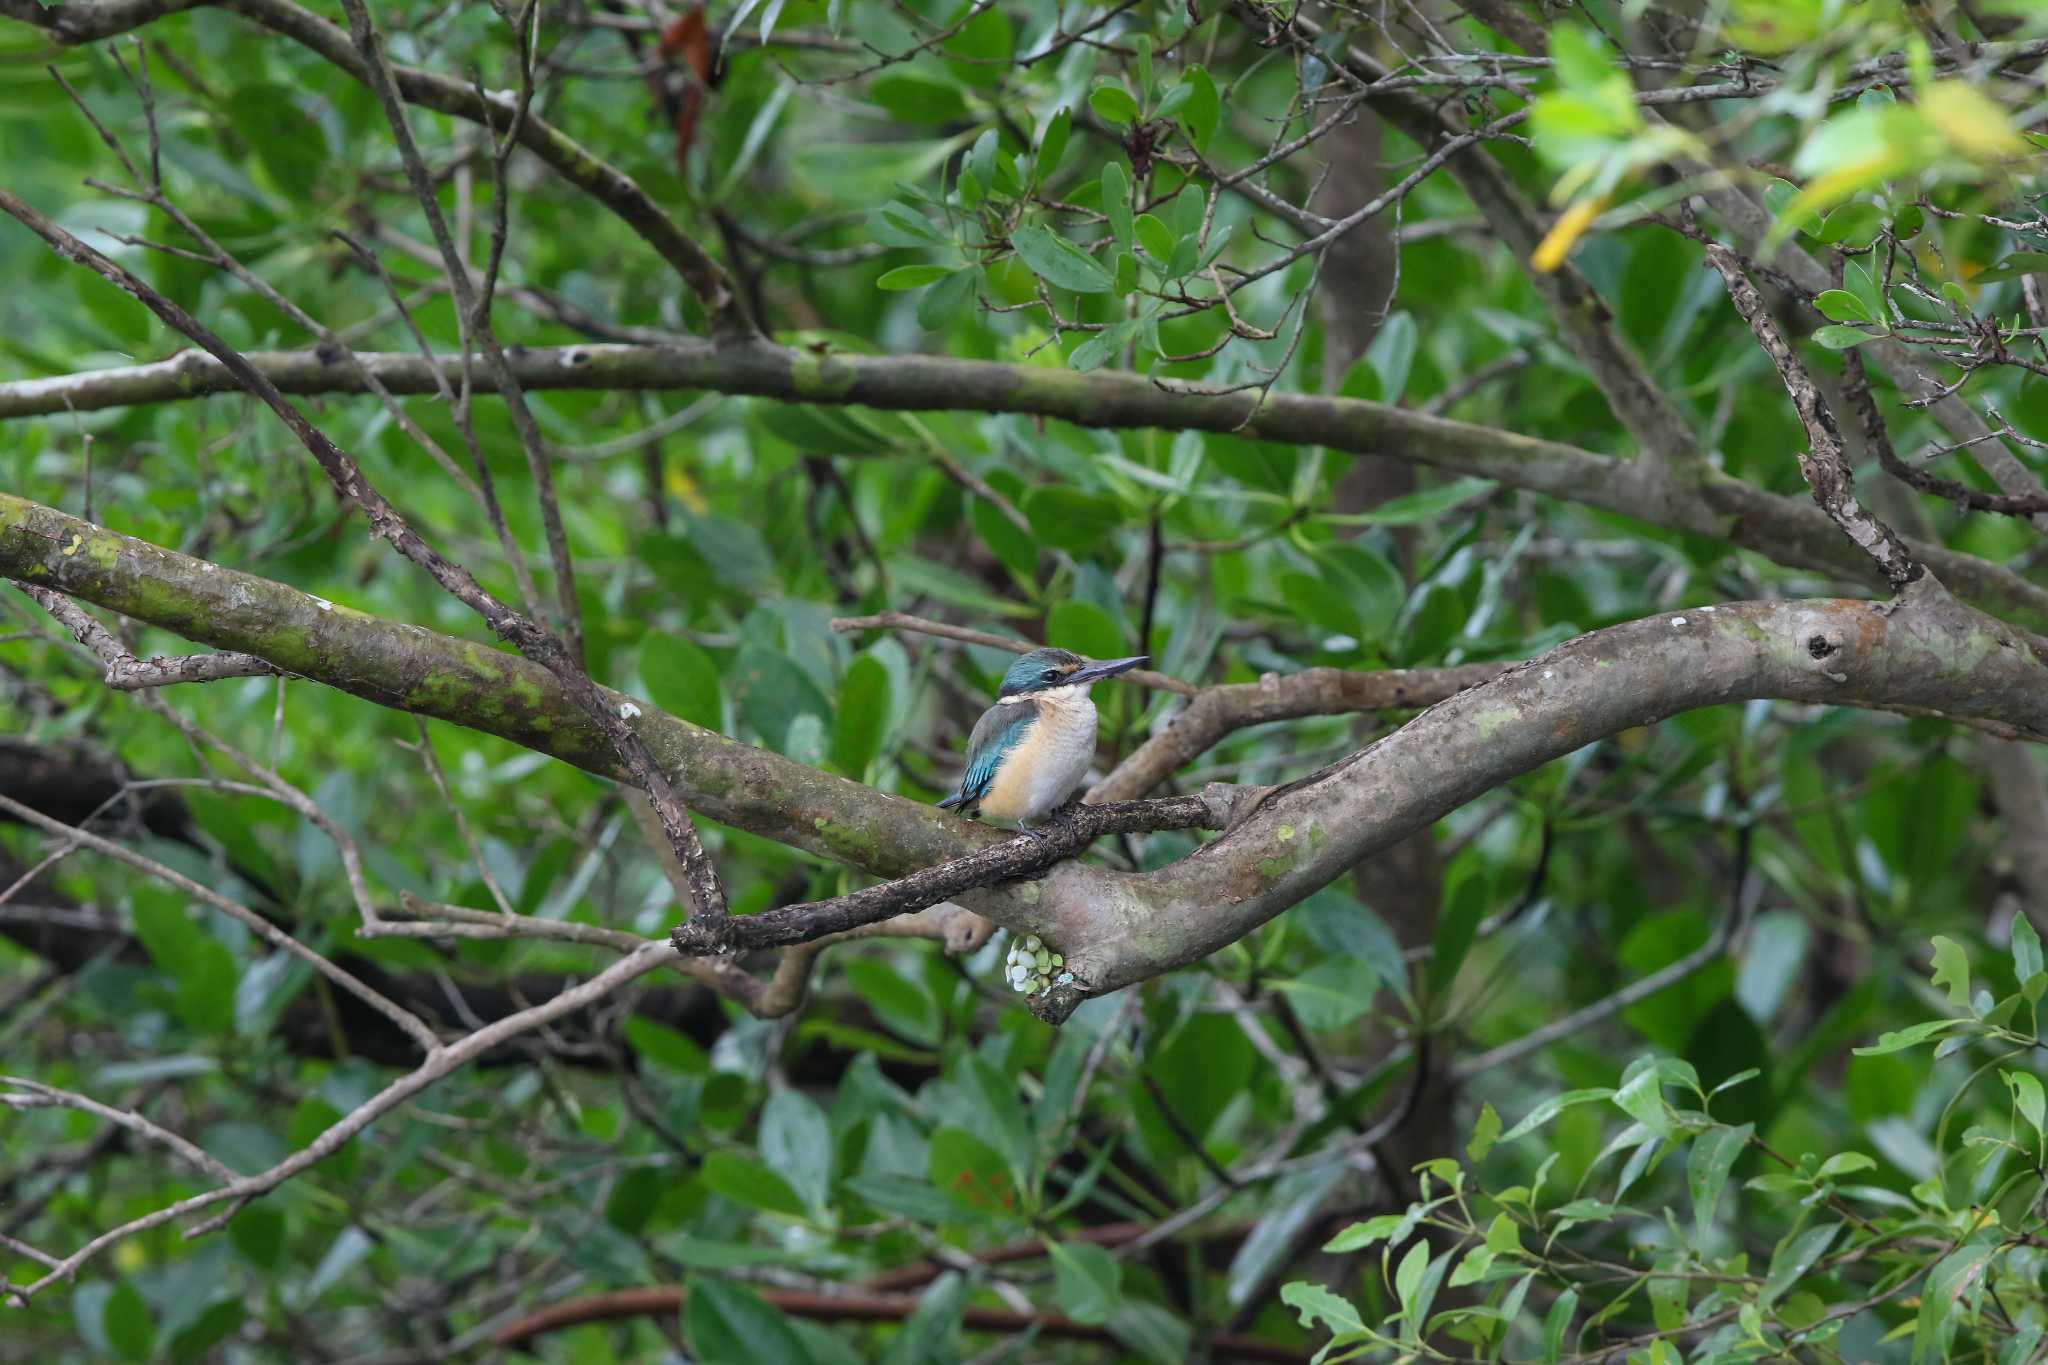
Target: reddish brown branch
point(666, 1301)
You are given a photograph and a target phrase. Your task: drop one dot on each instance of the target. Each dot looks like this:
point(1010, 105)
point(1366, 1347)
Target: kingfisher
point(1031, 750)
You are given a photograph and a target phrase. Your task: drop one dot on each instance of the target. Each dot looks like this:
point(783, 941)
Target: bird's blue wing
point(1000, 729)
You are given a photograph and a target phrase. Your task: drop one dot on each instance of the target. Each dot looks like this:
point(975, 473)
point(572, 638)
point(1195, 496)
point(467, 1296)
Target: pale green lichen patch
point(1286, 831)
point(820, 376)
point(1490, 721)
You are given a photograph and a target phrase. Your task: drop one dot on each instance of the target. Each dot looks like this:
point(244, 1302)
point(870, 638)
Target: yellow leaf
point(1971, 121)
point(1823, 192)
point(684, 489)
point(1569, 227)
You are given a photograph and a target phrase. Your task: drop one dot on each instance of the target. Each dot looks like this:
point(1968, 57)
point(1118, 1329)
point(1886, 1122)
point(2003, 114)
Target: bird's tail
point(950, 802)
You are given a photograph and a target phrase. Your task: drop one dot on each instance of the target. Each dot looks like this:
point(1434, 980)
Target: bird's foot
point(1036, 834)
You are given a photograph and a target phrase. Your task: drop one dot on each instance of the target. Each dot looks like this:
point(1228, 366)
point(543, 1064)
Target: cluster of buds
point(1030, 964)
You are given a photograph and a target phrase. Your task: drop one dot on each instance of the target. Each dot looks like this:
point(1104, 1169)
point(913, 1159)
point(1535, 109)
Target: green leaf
point(681, 679)
point(1952, 969)
point(130, 1330)
point(1839, 305)
point(914, 276)
point(773, 690)
point(1557, 1324)
point(1058, 261)
point(288, 142)
point(1796, 1257)
point(1582, 61)
point(2028, 1097)
point(1316, 1303)
point(927, 1334)
point(863, 718)
point(1955, 1275)
point(1392, 355)
point(1201, 110)
point(745, 1181)
point(1851, 225)
point(1901, 1039)
point(898, 224)
point(898, 1001)
point(796, 1143)
point(1485, 1133)
point(1844, 1163)
point(1154, 237)
point(2013, 267)
point(2026, 950)
point(1408, 1276)
point(1292, 1206)
point(916, 98)
point(1113, 104)
point(971, 1173)
point(1423, 505)
point(1151, 1332)
point(1335, 992)
point(659, 1043)
point(1361, 1235)
point(1842, 338)
point(728, 1324)
point(1456, 928)
point(1087, 1280)
point(1052, 144)
point(1070, 518)
point(1084, 628)
point(943, 304)
point(1713, 1155)
point(1116, 201)
point(1552, 1107)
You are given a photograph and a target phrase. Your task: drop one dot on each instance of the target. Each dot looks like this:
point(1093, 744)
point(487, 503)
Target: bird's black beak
point(1105, 668)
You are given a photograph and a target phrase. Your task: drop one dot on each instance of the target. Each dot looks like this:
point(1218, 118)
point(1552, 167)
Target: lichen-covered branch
point(1923, 651)
point(1923, 648)
point(351, 485)
point(1824, 463)
point(473, 684)
point(1217, 711)
point(1071, 831)
point(125, 672)
point(1785, 530)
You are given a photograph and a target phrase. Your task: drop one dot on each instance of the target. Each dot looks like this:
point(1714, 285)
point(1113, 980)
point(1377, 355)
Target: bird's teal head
point(1045, 669)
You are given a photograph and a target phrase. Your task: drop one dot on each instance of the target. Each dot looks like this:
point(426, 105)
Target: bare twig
point(36, 1095)
point(921, 625)
point(1824, 463)
point(125, 672)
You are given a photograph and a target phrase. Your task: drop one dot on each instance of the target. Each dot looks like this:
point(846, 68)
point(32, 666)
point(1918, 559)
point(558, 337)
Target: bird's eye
point(1052, 675)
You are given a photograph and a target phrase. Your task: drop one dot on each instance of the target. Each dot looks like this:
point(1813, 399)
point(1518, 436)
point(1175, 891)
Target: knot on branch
point(706, 936)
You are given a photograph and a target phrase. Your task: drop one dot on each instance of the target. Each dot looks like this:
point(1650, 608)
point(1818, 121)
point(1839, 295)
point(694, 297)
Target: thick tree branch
point(1024, 856)
point(352, 485)
point(1786, 530)
point(1217, 711)
point(1924, 648)
point(665, 1301)
point(472, 684)
point(1923, 651)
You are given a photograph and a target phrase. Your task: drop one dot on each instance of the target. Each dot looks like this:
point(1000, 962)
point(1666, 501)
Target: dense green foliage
point(1797, 1148)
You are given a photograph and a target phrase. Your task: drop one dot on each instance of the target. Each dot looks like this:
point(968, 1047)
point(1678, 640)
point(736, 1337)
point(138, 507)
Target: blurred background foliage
point(1010, 193)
